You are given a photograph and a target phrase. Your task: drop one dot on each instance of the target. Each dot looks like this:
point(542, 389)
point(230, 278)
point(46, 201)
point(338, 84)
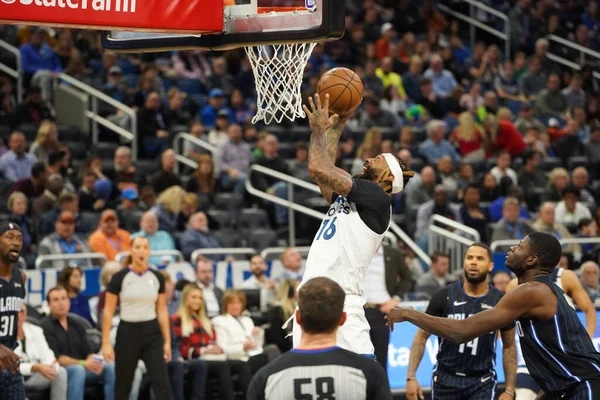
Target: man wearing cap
point(64, 241)
point(108, 238)
point(129, 202)
point(216, 102)
point(354, 225)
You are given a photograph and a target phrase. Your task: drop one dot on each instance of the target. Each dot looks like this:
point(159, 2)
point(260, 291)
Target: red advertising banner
point(175, 16)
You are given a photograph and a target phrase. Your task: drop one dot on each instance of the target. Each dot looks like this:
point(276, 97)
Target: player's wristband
point(414, 378)
point(511, 394)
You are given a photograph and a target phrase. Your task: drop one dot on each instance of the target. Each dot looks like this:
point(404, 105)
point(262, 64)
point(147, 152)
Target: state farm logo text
point(96, 5)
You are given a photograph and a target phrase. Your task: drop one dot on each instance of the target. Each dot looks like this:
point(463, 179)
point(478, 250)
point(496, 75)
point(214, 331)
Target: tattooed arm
point(509, 360)
point(326, 132)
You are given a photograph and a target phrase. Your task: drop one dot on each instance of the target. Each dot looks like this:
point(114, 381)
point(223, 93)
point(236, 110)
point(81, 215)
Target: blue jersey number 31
point(327, 229)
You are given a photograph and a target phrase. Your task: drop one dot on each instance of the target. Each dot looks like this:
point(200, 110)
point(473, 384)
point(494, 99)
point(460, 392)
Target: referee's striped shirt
point(329, 373)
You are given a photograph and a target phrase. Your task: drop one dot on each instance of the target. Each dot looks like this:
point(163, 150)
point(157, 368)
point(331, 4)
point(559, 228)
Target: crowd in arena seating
point(504, 143)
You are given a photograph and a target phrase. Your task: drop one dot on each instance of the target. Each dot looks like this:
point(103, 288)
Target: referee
point(317, 368)
point(144, 329)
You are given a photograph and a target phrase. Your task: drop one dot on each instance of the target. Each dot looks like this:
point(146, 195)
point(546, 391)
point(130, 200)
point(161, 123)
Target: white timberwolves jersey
point(343, 247)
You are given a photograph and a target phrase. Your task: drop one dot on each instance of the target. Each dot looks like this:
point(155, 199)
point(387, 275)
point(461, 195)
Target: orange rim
point(265, 10)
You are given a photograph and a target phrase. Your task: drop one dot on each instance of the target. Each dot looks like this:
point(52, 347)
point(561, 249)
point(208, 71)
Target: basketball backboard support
point(247, 23)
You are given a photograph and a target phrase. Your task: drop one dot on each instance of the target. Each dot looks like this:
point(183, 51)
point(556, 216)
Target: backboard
point(245, 23)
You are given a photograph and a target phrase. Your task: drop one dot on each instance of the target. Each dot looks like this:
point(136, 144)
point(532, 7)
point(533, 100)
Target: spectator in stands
point(490, 190)
point(390, 78)
point(213, 295)
point(440, 205)
point(468, 138)
point(197, 236)
point(464, 177)
point(196, 337)
point(282, 309)
point(259, 281)
point(190, 64)
point(500, 280)
point(108, 270)
point(168, 207)
point(241, 112)
point(570, 210)
point(16, 164)
point(578, 114)
point(546, 222)
point(67, 338)
point(40, 63)
point(590, 278)
point(558, 181)
point(569, 144)
point(429, 100)
point(33, 110)
point(129, 202)
point(527, 120)
point(38, 364)
point(216, 103)
point(298, 167)
point(218, 133)
point(510, 227)
point(166, 177)
point(64, 241)
point(506, 84)
point(411, 79)
point(66, 202)
point(503, 170)
point(221, 78)
point(203, 179)
point(446, 176)
point(108, 239)
point(147, 198)
point(442, 79)
point(592, 146)
point(587, 229)
point(126, 174)
point(189, 206)
point(574, 93)
point(375, 116)
point(502, 135)
point(17, 207)
point(237, 335)
point(534, 81)
point(153, 136)
point(70, 279)
point(172, 296)
point(437, 277)
point(421, 192)
point(435, 147)
point(45, 141)
point(471, 214)
point(48, 200)
point(292, 264)
point(115, 87)
point(550, 102)
point(176, 114)
point(489, 106)
point(159, 240)
point(55, 166)
point(530, 176)
point(580, 179)
point(472, 100)
point(88, 198)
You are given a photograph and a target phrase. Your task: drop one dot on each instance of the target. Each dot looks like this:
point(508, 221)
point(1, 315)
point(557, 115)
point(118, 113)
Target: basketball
point(345, 90)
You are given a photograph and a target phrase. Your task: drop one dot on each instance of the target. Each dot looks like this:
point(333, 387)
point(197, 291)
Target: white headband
point(398, 183)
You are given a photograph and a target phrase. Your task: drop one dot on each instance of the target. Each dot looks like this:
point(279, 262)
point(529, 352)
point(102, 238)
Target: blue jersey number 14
point(327, 229)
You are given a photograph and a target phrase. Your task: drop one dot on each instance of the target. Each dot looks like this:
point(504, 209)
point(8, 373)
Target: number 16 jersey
point(349, 236)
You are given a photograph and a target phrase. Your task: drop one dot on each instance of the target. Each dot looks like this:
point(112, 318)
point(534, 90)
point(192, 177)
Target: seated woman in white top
point(237, 336)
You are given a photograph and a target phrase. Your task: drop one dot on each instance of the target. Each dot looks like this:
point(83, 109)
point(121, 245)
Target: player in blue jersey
point(12, 296)
point(557, 349)
point(466, 371)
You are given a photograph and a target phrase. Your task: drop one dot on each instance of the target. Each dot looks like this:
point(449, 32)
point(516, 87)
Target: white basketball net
point(278, 71)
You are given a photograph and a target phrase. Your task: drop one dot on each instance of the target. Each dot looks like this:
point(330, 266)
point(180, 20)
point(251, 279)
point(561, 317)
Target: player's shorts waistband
point(476, 374)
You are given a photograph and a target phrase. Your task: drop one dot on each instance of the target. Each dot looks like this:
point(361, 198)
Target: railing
point(512, 242)
point(582, 53)
point(17, 74)
point(156, 253)
point(222, 251)
point(451, 243)
point(473, 22)
point(182, 158)
point(293, 207)
point(68, 257)
point(95, 95)
point(266, 253)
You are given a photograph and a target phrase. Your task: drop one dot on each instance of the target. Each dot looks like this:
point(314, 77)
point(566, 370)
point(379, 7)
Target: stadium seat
point(517, 164)
point(228, 238)
point(5, 185)
point(105, 150)
point(90, 220)
point(574, 162)
point(478, 166)
point(228, 201)
point(420, 134)
point(549, 163)
point(260, 239)
point(29, 130)
point(204, 201)
point(146, 167)
point(490, 163)
point(252, 218)
point(300, 134)
point(126, 67)
point(69, 133)
point(287, 150)
point(5, 131)
point(132, 80)
point(514, 106)
point(130, 221)
point(200, 100)
point(78, 149)
point(96, 65)
point(417, 164)
point(223, 218)
point(389, 134)
point(190, 86)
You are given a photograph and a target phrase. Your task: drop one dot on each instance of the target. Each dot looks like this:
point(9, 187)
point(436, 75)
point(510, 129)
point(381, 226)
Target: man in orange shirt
point(108, 238)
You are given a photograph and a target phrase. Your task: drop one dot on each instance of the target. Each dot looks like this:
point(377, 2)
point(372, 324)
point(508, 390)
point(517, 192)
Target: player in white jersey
point(567, 280)
point(359, 216)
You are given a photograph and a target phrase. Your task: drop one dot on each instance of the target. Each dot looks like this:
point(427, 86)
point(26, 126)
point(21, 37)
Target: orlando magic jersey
point(478, 356)
point(558, 352)
point(12, 296)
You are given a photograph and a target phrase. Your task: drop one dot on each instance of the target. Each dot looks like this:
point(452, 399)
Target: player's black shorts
point(450, 386)
point(11, 386)
point(588, 390)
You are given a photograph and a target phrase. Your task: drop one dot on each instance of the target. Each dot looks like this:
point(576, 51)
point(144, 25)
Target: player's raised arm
point(572, 286)
point(324, 139)
point(510, 308)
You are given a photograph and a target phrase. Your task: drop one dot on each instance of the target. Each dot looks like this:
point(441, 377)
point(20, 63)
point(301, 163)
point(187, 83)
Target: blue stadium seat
point(132, 80)
point(29, 130)
point(67, 133)
point(252, 218)
point(514, 106)
point(96, 65)
point(190, 86)
point(260, 239)
point(126, 67)
point(79, 150)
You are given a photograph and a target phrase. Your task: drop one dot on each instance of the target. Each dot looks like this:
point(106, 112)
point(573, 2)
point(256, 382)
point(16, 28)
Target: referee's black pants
point(380, 334)
point(135, 341)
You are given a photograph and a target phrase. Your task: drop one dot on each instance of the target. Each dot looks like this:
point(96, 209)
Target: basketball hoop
point(278, 71)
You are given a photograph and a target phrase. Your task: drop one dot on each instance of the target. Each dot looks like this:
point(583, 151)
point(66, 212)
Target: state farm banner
point(175, 16)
